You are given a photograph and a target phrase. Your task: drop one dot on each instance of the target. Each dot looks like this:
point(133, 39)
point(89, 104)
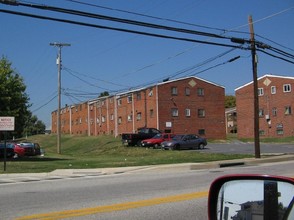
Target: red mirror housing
point(216, 186)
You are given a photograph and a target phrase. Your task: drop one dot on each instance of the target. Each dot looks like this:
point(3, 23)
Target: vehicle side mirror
point(251, 197)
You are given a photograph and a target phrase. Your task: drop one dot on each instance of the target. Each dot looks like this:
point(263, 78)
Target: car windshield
point(26, 144)
point(158, 136)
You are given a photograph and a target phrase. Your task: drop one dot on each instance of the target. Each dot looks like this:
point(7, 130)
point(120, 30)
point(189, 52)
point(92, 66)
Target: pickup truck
point(131, 139)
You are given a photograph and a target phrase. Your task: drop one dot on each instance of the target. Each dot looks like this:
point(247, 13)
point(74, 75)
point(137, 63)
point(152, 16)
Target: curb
point(240, 162)
point(74, 173)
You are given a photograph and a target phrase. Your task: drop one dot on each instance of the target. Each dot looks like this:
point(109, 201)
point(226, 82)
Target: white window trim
point(187, 112)
point(287, 88)
point(260, 92)
point(273, 90)
point(175, 112)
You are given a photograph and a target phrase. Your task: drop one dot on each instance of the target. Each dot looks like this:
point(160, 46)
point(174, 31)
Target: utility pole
point(58, 62)
point(255, 89)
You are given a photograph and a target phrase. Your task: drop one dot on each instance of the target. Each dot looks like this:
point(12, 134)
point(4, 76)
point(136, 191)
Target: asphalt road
point(248, 148)
point(175, 193)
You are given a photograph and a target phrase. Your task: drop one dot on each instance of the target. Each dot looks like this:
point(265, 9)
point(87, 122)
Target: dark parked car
point(31, 149)
point(9, 150)
point(131, 139)
point(184, 141)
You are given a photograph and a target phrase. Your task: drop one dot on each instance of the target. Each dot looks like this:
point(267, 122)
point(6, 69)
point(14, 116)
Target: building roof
point(125, 93)
point(166, 82)
point(264, 76)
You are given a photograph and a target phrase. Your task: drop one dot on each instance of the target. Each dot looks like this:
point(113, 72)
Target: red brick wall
point(151, 104)
point(267, 102)
point(212, 102)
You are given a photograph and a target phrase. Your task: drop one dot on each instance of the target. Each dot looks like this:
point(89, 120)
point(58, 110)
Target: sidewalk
point(75, 173)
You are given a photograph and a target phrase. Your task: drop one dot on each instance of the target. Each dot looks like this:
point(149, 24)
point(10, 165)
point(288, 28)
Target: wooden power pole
point(255, 90)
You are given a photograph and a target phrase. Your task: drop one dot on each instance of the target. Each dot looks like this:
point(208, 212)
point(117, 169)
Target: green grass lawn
point(82, 152)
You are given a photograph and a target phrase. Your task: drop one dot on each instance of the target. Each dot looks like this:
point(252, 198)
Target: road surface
point(142, 194)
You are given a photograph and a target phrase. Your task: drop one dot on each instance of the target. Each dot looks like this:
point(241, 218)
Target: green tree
point(34, 126)
point(230, 101)
point(13, 99)
point(105, 93)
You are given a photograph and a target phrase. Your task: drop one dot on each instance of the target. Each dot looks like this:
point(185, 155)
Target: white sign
point(168, 124)
point(6, 123)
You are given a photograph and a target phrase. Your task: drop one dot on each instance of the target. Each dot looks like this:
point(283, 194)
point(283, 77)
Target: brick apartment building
point(186, 105)
point(276, 103)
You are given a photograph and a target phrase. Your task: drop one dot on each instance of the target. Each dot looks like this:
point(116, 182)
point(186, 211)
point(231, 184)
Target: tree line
point(14, 102)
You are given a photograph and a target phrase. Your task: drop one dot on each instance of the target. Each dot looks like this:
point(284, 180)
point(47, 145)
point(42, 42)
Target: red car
point(18, 151)
point(157, 140)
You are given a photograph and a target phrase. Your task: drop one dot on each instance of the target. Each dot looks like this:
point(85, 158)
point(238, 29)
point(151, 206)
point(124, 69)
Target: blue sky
point(101, 60)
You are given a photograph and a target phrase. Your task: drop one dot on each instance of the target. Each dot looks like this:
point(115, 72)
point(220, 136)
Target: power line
point(94, 78)
point(147, 16)
point(120, 20)
point(121, 29)
point(37, 109)
point(275, 56)
point(178, 73)
point(217, 65)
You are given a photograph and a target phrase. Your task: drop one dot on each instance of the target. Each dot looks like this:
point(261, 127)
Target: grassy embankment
point(81, 152)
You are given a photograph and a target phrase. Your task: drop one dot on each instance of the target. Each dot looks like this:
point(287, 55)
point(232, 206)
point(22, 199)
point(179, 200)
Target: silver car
point(184, 141)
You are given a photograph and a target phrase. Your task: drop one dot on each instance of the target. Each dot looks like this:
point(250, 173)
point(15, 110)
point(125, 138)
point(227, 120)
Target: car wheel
point(155, 146)
point(201, 146)
point(176, 147)
point(139, 143)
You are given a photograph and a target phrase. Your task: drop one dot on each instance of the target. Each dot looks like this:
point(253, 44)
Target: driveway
point(238, 147)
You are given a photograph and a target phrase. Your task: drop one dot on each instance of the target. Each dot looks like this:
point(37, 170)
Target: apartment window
point(187, 112)
point(175, 112)
point(280, 129)
point(260, 91)
point(261, 132)
point(273, 90)
point(201, 131)
point(287, 88)
point(274, 111)
point(119, 120)
point(174, 90)
point(138, 95)
point(130, 99)
point(119, 102)
point(261, 112)
point(288, 110)
point(139, 116)
point(103, 119)
point(151, 113)
point(110, 100)
point(187, 91)
point(80, 120)
point(111, 117)
point(130, 117)
point(200, 92)
point(97, 120)
point(201, 113)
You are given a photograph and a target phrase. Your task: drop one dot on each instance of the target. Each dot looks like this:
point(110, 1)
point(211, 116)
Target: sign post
point(6, 124)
